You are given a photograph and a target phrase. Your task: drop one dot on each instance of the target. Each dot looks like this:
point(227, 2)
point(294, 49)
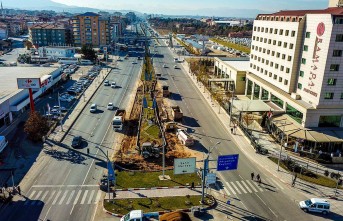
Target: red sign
point(320, 29)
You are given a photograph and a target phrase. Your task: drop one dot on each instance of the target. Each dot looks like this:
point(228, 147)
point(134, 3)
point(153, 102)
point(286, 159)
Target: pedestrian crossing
point(61, 196)
point(239, 187)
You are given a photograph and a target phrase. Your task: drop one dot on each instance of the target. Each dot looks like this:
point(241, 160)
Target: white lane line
point(98, 196)
point(91, 197)
point(266, 205)
point(275, 182)
point(30, 198)
point(54, 186)
point(252, 186)
point(32, 194)
point(70, 197)
point(231, 189)
point(56, 197)
point(84, 197)
point(227, 192)
point(45, 194)
point(258, 187)
point(239, 184)
point(246, 186)
point(36, 198)
point(77, 197)
point(50, 198)
point(236, 188)
point(63, 197)
point(261, 199)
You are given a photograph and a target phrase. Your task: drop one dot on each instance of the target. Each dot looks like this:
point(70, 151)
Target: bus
point(68, 61)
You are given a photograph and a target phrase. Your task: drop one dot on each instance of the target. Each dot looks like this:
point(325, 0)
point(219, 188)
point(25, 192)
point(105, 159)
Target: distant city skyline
point(220, 8)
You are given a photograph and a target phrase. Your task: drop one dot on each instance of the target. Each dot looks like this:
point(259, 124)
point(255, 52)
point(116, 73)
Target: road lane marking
point(70, 197)
point(252, 186)
point(54, 186)
point(234, 186)
point(50, 198)
point(77, 197)
point(63, 197)
point(227, 192)
point(84, 197)
point(273, 181)
point(231, 189)
point(44, 195)
point(246, 186)
point(56, 197)
point(239, 184)
point(30, 198)
point(258, 187)
point(34, 201)
point(91, 197)
point(98, 196)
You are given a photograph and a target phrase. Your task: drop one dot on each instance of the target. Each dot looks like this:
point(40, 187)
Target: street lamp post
point(204, 172)
point(282, 139)
point(60, 112)
point(231, 106)
point(108, 178)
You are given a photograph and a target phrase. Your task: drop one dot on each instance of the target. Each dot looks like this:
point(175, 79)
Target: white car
point(113, 84)
point(65, 98)
point(106, 83)
point(175, 67)
point(110, 106)
point(164, 66)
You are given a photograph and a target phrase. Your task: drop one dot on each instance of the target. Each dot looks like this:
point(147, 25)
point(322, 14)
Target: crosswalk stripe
point(52, 195)
point(227, 192)
point(77, 197)
point(239, 184)
point(234, 186)
point(246, 186)
point(32, 194)
point(233, 192)
point(257, 186)
point(84, 197)
point(276, 183)
point(70, 197)
point(63, 197)
point(34, 201)
point(44, 195)
point(252, 186)
point(56, 197)
point(98, 197)
point(30, 198)
point(91, 197)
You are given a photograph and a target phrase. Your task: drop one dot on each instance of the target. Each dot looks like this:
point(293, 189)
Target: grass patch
point(320, 180)
point(124, 206)
point(150, 179)
point(232, 45)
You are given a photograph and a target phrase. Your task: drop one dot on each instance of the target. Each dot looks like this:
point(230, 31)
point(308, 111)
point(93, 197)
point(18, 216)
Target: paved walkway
point(125, 194)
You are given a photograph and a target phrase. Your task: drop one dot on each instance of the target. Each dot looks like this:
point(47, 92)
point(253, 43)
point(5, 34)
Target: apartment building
point(90, 28)
point(296, 62)
point(49, 34)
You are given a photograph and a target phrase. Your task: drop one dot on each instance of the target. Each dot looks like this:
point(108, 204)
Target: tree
point(28, 45)
point(88, 52)
point(36, 126)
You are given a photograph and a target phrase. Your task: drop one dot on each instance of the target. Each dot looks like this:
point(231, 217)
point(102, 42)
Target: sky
point(196, 7)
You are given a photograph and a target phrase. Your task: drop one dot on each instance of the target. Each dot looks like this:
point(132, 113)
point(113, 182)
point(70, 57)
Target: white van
point(3, 143)
point(315, 205)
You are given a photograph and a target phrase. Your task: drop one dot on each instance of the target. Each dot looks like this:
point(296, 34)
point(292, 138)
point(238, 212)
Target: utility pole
point(282, 139)
point(60, 112)
point(231, 106)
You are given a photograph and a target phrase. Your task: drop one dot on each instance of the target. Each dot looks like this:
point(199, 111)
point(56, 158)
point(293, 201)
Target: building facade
point(90, 28)
point(296, 62)
point(49, 34)
point(56, 52)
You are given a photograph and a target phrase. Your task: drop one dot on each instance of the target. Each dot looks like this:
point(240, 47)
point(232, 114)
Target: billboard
point(46, 81)
point(26, 83)
point(184, 165)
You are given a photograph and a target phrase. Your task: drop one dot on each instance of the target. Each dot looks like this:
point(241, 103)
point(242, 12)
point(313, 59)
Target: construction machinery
point(149, 150)
point(171, 125)
point(176, 113)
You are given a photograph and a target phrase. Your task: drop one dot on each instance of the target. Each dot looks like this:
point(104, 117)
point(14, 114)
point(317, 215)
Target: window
point(339, 38)
point(339, 21)
point(305, 48)
point(289, 58)
point(293, 34)
point(286, 82)
point(273, 53)
point(337, 53)
point(341, 95)
point(291, 46)
point(285, 44)
point(242, 78)
point(287, 70)
point(275, 31)
point(300, 86)
point(303, 61)
point(264, 50)
point(265, 72)
point(266, 30)
point(287, 32)
point(265, 40)
point(294, 113)
point(276, 66)
point(334, 67)
point(253, 38)
point(271, 30)
point(271, 64)
point(267, 62)
point(275, 77)
point(282, 68)
point(270, 74)
point(328, 95)
point(283, 56)
point(329, 121)
point(268, 51)
point(331, 81)
point(280, 79)
point(277, 101)
point(301, 73)
point(278, 54)
point(308, 35)
point(279, 43)
point(255, 28)
point(258, 29)
point(274, 42)
point(281, 32)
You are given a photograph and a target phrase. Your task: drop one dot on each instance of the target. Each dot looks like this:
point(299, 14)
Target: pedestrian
point(192, 186)
point(19, 190)
point(232, 130)
point(252, 176)
point(258, 179)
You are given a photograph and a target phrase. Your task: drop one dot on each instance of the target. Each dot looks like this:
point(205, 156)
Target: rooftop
point(241, 64)
point(9, 75)
point(46, 26)
point(89, 14)
point(332, 11)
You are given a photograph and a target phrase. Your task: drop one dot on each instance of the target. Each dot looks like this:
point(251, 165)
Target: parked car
point(76, 142)
point(164, 66)
point(62, 109)
point(66, 98)
point(175, 67)
point(106, 83)
point(93, 108)
point(113, 84)
point(110, 106)
point(315, 205)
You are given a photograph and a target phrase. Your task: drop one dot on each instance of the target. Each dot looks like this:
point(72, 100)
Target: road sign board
point(184, 165)
point(26, 83)
point(211, 178)
point(227, 162)
point(105, 49)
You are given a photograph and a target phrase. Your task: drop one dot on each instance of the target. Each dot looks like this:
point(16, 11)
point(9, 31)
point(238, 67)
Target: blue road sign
point(227, 162)
point(111, 174)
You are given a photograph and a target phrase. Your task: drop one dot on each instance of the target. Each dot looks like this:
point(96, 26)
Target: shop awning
point(251, 106)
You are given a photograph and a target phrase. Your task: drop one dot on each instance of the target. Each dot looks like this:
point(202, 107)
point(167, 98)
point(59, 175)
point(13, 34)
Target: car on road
point(110, 106)
point(93, 108)
point(76, 142)
point(315, 205)
point(113, 84)
point(175, 67)
point(134, 62)
point(106, 83)
point(164, 66)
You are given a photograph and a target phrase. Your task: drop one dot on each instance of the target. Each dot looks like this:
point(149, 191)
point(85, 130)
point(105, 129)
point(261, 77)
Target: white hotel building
point(296, 62)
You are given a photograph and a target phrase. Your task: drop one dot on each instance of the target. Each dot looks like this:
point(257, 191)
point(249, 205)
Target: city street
point(63, 183)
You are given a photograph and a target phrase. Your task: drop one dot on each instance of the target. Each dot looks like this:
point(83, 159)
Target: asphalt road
point(63, 183)
point(273, 200)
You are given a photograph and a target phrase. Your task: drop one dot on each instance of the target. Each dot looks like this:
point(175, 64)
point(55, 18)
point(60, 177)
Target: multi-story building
point(296, 62)
point(49, 34)
point(90, 28)
point(3, 31)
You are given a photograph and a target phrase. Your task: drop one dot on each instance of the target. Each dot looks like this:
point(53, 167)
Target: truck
point(138, 215)
point(171, 125)
point(149, 150)
point(176, 113)
point(165, 91)
point(118, 119)
point(185, 138)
